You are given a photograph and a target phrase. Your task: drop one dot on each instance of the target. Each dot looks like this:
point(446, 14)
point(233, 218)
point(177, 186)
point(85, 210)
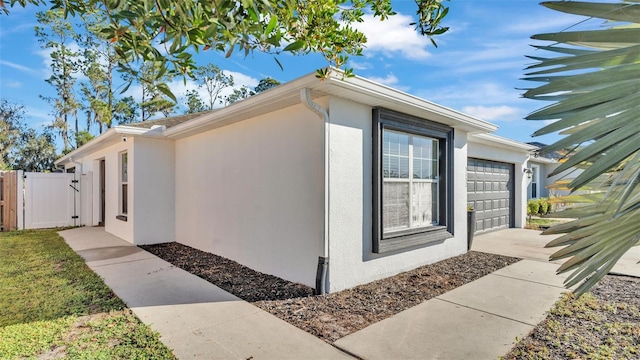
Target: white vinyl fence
point(50, 200)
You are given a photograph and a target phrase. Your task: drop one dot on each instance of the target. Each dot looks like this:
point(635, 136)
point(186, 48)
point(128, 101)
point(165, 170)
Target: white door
point(51, 200)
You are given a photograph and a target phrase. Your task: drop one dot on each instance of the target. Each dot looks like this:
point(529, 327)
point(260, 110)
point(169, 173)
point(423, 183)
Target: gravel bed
point(602, 324)
point(332, 316)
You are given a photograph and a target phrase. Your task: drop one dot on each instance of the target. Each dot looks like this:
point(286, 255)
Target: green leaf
point(162, 87)
point(294, 46)
point(272, 25)
point(278, 62)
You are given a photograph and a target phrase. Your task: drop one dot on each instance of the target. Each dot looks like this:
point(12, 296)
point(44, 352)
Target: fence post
point(1, 200)
point(20, 199)
point(9, 202)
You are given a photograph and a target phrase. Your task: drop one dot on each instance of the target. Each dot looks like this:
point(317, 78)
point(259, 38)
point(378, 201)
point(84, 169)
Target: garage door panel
point(489, 191)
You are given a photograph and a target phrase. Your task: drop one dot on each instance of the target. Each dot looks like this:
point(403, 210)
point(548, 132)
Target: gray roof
point(552, 155)
point(169, 121)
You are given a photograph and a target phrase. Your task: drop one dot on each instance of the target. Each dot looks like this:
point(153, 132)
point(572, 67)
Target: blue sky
point(475, 69)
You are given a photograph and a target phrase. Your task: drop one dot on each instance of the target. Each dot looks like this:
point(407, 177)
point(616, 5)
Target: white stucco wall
point(253, 192)
point(154, 172)
point(91, 164)
point(516, 157)
point(351, 259)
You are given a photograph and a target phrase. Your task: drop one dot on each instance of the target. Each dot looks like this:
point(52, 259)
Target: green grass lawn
point(52, 305)
point(539, 223)
point(603, 324)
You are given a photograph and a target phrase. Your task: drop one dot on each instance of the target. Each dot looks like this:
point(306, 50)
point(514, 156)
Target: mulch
point(332, 316)
point(603, 324)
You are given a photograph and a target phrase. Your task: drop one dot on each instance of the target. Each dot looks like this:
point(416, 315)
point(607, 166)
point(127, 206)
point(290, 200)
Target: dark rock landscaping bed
point(335, 315)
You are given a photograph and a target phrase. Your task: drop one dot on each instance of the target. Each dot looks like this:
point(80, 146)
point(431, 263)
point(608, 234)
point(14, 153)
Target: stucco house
point(328, 183)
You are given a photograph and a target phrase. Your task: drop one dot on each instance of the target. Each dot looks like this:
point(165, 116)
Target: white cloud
point(39, 118)
point(485, 93)
point(393, 36)
point(13, 84)
point(241, 79)
point(5, 31)
point(388, 80)
point(360, 66)
point(493, 113)
point(17, 66)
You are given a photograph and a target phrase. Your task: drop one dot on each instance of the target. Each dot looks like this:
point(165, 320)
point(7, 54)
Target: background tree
point(57, 35)
point(194, 102)
point(153, 99)
point(83, 137)
point(239, 94)
point(37, 152)
point(266, 84)
point(245, 92)
point(214, 81)
point(100, 61)
point(594, 82)
point(125, 111)
point(11, 127)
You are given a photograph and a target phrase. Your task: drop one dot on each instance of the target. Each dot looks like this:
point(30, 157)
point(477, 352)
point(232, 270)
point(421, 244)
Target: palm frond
point(593, 79)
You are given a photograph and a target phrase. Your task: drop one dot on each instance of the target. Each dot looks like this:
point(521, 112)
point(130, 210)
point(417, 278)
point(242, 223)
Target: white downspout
point(323, 263)
point(75, 163)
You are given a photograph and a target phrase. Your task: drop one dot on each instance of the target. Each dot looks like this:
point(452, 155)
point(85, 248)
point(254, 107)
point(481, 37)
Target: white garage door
point(490, 190)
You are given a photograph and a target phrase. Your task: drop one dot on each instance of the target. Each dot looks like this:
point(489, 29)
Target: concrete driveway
point(529, 244)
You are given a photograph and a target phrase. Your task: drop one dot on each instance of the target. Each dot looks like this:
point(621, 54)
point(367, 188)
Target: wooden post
point(1, 201)
point(9, 200)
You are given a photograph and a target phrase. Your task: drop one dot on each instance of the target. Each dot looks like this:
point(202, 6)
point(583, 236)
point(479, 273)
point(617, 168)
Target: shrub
point(533, 207)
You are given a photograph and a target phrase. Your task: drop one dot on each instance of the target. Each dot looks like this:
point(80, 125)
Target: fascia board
point(109, 138)
point(501, 142)
point(93, 144)
point(543, 160)
point(378, 95)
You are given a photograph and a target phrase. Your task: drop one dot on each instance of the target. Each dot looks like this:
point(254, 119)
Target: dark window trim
point(391, 120)
point(121, 217)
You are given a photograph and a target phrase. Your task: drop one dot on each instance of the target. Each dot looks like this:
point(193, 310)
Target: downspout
point(76, 163)
point(75, 210)
point(323, 261)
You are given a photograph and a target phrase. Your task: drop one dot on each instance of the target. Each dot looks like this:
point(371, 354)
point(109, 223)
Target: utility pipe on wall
point(323, 261)
point(77, 172)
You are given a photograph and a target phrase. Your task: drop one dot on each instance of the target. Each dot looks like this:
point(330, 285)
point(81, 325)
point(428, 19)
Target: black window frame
point(384, 119)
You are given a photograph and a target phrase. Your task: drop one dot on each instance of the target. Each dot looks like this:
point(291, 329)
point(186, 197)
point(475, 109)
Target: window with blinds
point(413, 181)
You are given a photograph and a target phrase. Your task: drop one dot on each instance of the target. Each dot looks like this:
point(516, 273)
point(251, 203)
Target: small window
point(124, 183)
point(413, 181)
point(535, 181)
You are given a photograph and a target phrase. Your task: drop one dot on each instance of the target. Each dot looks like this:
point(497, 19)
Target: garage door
point(490, 187)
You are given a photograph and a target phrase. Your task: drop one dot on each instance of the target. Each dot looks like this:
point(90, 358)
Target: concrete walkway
point(479, 320)
point(198, 320)
point(529, 244)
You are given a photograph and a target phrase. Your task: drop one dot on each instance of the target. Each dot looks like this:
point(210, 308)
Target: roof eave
point(408, 103)
point(356, 89)
point(498, 141)
point(109, 138)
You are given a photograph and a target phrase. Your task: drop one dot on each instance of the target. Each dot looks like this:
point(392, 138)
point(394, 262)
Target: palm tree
point(593, 80)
